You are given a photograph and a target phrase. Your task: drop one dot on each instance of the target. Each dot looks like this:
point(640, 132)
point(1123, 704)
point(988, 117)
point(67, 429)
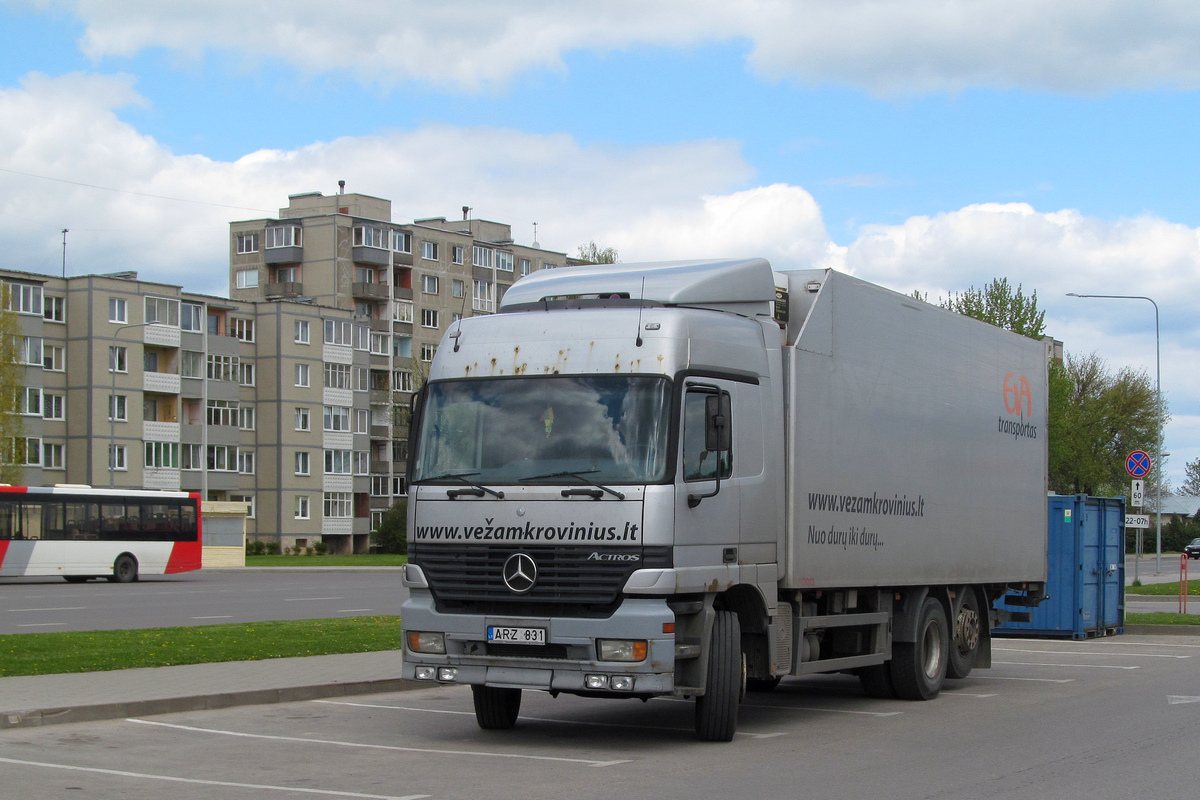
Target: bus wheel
point(717, 708)
point(496, 709)
point(75, 578)
point(125, 569)
point(918, 668)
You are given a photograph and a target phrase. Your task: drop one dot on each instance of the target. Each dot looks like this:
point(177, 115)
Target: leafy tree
point(392, 534)
point(1000, 305)
point(1191, 483)
point(591, 253)
point(11, 383)
point(1096, 419)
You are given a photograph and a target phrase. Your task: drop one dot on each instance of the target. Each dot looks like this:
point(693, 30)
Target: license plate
point(505, 635)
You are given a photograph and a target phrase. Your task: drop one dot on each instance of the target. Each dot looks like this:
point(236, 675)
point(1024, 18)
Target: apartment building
point(290, 396)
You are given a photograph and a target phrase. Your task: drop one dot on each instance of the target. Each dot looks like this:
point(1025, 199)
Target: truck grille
point(468, 579)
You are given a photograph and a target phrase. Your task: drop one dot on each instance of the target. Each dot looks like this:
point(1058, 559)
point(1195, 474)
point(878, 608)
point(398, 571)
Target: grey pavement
point(29, 701)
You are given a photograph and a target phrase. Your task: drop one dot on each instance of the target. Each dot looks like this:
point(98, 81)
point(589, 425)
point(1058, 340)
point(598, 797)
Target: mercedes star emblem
point(520, 572)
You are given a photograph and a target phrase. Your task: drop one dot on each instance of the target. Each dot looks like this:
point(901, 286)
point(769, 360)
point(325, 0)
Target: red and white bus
point(79, 532)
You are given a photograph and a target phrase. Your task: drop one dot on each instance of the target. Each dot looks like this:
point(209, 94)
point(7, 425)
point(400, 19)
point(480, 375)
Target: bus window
point(82, 520)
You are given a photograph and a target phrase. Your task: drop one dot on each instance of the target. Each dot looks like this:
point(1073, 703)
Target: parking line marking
point(352, 610)
point(38, 624)
point(175, 779)
point(216, 616)
point(389, 747)
point(67, 608)
point(966, 694)
point(588, 723)
point(1175, 699)
point(1074, 666)
point(1097, 653)
point(309, 599)
point(1035, 680)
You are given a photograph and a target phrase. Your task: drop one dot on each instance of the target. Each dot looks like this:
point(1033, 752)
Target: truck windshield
point(506, 430)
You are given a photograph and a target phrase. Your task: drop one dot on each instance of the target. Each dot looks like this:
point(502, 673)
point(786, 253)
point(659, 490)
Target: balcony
point(285, 289)
point(371, 255)
point(161, 382)
point(379, 432)
point(283, 255)
point(154, 431)
point(369, 291)
point(380, 467)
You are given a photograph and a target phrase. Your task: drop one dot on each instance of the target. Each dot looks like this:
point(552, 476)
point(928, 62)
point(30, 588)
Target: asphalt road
point(206, 597)
point(1106, 719)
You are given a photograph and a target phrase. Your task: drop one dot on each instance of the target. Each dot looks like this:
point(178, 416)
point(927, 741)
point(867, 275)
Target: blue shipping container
point(1085, 571)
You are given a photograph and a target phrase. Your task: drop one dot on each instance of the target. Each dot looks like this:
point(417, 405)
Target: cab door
point(707, 501)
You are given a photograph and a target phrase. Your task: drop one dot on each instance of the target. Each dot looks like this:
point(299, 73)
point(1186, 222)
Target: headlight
point(425, 642)
point(621, 649)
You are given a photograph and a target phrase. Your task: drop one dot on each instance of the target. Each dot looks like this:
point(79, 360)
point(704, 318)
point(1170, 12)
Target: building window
point(403, 311)
point(362, 337)
point(213, 323)
point(246, 278)
point(429, 251)
point(429, 284)
point(429, 318)
point(402, 379)
point(54, 406)
point(54, 358)
point(55, 309)
point(118, 359)
point(25, 298)
point(247, 243)
point(246, 418)
point(302, 506)
point(399, 487)
point(458, 254)
point(368, 236)
point(482, 257)
point(245, 462)
point(191, 364)
point(302, 375)
point(246, 374)
point(362, 420)
point(52, 456)
point(525, 267)
point(222, 412)
point(303, 419)
point(116, 457)
point(163, 311)
point(30, 401)
point(243, 329)
point(402, 346)
point(427, 351)
point(379, 486)
point(504, 261)
point(301, 335)
point(116, 407)
point(338, 505)
point(191, 317)
point(162, 455)
point(338, 332)
point(117, 309)
point(481, 294)
point(248, 499)
point(223, 368)
point(379, 344)
point(337, 376)
point(284, 236)
point(302, 465)
point(457, 287)
point(337, 462)
point(401, 242)
point(337, 418)
point(189, 457)
point(287, 275)
point(222, 458)
point(361, 462)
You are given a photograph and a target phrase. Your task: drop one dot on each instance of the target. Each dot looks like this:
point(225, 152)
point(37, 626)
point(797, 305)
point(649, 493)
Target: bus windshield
point(613, 428)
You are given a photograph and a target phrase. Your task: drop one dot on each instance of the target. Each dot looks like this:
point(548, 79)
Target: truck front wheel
point(496, 709)
point(918, 668)
point(717, 708)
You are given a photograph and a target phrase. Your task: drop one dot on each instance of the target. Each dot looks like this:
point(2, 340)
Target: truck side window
point(700, 464)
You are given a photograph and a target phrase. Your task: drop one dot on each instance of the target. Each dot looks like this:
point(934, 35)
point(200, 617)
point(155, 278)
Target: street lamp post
point(112, 401)
point(1158, 394)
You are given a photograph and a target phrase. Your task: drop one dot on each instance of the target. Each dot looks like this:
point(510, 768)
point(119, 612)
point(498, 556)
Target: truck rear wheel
point(717, 708)
point(918, 668)
point(496, 709)
point(967, 634)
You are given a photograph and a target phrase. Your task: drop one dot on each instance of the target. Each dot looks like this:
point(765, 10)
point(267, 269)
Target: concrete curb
point(1163, 630)
point(171, 705)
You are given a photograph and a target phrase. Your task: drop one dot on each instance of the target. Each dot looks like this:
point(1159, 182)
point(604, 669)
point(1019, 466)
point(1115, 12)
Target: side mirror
point(717, 413)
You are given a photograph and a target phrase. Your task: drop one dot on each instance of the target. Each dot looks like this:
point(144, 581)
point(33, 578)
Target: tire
point(876, 681)
point(717, 708)
point(966, 636)
point(496, 709)
point(918, 668)
point(75, 578)
point(125, 569)
point(763, 684)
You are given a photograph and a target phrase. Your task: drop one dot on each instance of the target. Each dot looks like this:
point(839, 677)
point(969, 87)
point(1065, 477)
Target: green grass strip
point(327, 561)
point(94, 651)
point(1162, 618)
point(1165, 589)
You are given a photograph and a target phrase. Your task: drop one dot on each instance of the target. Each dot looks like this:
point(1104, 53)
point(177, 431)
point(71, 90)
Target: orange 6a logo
point(1016, 390)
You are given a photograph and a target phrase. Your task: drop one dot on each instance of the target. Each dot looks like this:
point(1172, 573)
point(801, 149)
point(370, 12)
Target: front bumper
point(566, 660)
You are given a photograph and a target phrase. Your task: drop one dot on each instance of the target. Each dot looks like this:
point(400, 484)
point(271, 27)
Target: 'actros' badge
point(520, 572)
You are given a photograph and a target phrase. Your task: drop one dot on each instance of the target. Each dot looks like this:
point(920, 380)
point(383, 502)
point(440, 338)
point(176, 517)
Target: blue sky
point(923, 145)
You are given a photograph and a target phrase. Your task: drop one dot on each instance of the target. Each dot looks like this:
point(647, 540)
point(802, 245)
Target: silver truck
point(691, 479)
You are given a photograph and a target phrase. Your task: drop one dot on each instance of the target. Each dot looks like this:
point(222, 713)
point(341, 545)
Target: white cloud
point(886, 46)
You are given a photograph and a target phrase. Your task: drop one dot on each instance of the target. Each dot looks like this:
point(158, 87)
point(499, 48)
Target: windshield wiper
point(476, 490)
point(579, 476)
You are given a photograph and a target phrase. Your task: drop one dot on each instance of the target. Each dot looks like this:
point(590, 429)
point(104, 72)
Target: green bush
point(392, 534)
point(272, 549)
point(321, 548)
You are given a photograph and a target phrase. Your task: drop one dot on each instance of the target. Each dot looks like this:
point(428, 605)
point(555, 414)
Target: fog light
point(447, 674)
point(424, 642)
point(621, 649)
point(622, 683)
point(425, 673)
point(595, 681)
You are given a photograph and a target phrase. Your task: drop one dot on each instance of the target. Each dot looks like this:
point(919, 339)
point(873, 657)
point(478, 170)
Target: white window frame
point(303, 463)
point(162, 311)
point(504, 261)
point(428, 351)
point(117, 460)
point(53, 455)
point(118, 403)
point(303, 418)
point(54, 406)
point(247, 243)
point(54, 308)
point(403, 311)
point(284, 236)
point(401, 242)
point(338, 505)
point(118, 309)
point(246, 278)
point(302, 375)
point(429, 251)
point(25, 298)
point(118, 358)
point(191, 317)
point(457, 254)
point(54, 358)
point(302, 332)
point(303, 508)
point(429, 318)
point(337, 462)
point(368, 236)
point(243, 329)
point(336, 419)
